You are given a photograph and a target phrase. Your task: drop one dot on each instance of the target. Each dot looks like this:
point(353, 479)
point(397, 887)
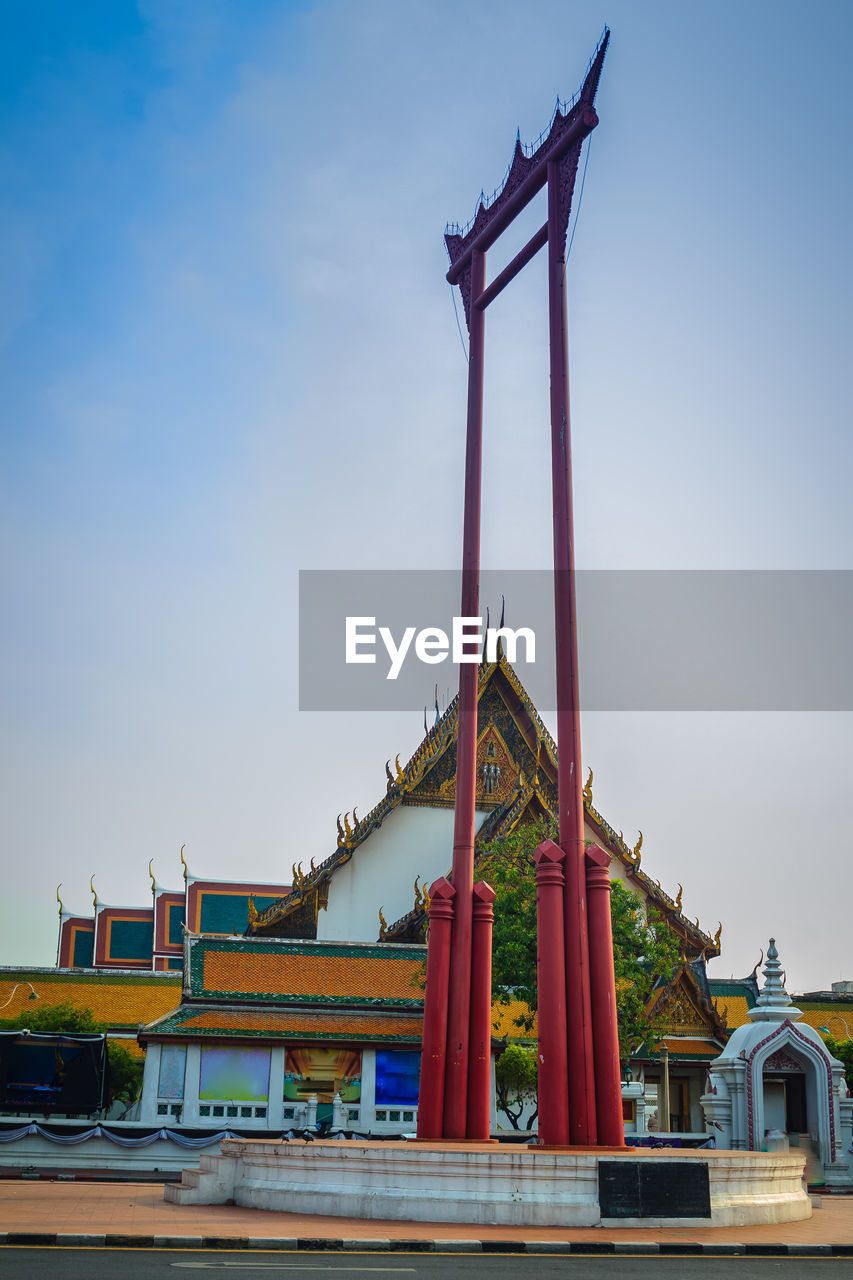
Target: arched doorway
point(785, 1095)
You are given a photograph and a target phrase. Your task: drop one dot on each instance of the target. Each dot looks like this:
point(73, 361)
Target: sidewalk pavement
point(88, 1214)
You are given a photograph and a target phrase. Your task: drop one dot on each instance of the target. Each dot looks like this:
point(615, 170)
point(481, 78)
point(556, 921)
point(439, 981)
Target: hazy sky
point(228, 352)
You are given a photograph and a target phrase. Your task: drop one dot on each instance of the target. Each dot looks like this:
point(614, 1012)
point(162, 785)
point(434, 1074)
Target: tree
point(515, 1083)
point(125, 1073)
point(54, 1019)
point(843, 1051)
point(645, 949)
point(66, 1018)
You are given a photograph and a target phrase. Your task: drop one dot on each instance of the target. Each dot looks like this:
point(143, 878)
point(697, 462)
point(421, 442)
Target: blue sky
point(228, 352)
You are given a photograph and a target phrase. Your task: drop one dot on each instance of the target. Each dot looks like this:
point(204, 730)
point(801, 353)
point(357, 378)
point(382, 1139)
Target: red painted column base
point(434, 1041)
point(553, 1089)
point(480, 1034)
point(605, 1031)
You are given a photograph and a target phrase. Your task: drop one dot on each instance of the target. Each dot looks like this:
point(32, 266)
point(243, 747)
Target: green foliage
point(507, 864)
point(66, 1018)
point(125, 1073)
point(515, 1083)
point(645, 949)
point(843, 1051)
point(50, 1019)
point(645, 954)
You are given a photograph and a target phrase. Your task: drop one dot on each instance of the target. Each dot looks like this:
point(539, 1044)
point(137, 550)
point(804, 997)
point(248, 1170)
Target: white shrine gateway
point(775, 1084)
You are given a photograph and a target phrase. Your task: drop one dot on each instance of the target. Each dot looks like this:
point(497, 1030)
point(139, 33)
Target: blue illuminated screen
point(397, 1077)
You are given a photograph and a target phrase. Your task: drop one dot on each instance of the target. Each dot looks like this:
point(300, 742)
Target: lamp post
point(836, 1017)
point(32, 996)
point(664, 1057)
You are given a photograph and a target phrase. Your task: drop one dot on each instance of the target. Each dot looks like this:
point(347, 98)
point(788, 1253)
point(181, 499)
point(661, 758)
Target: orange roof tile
point(737, 1007)
point(302, 1023)
point(504, 1021)
point(707, 1048)
point(135, 1050)
point(115, 999)
point(818, 1016)
point(255, 972)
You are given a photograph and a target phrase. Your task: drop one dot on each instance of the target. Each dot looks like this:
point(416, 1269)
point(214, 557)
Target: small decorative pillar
point(480, 1034)
point(605, 1031)
point(551, 996)
point(434, 1041)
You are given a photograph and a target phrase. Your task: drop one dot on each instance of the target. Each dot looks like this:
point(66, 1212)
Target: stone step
point(211, 1183)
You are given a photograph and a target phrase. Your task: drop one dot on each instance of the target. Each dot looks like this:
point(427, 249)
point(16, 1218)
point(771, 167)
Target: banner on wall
point(51, 1073)
point(233, 1074)
point(397, 1077)
point(324, 1072)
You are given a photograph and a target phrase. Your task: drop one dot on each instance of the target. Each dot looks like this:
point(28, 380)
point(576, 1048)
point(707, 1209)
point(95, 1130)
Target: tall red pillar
point(459, 1008)
point(551, 996)
point(608, 1084)
point(480, 1036)
point(570, 795)
point(434, 1042)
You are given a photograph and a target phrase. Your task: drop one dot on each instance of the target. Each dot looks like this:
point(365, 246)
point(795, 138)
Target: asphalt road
point(148, 1264)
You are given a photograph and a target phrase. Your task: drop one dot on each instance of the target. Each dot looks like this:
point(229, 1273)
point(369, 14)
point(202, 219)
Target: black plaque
point(654, 1189)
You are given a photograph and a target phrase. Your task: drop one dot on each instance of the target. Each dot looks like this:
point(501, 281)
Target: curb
point(40, 1240)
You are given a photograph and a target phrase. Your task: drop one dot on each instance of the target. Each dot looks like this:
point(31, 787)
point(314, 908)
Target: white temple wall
point(150, 1079)
point(412, 841)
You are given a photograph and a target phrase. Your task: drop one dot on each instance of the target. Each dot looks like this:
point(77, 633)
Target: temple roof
point(194, 1021)
point(119, 999)
point(241, 988)
point(307, 972)
point(735, 997)
point(511, 728)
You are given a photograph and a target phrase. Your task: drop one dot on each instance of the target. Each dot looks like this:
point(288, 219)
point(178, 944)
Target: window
point(173, 1061)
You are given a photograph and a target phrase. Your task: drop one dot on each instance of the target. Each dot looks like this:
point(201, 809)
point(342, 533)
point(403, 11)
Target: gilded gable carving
point(681, 1016)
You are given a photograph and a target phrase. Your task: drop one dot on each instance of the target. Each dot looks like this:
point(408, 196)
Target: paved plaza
point(136, 1213)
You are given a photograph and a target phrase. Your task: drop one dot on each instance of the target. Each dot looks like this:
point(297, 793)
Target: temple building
point(276, 1006)
point(152, 937)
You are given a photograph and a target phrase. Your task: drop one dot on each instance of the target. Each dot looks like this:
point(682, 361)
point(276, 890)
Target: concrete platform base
point(510, 1186)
